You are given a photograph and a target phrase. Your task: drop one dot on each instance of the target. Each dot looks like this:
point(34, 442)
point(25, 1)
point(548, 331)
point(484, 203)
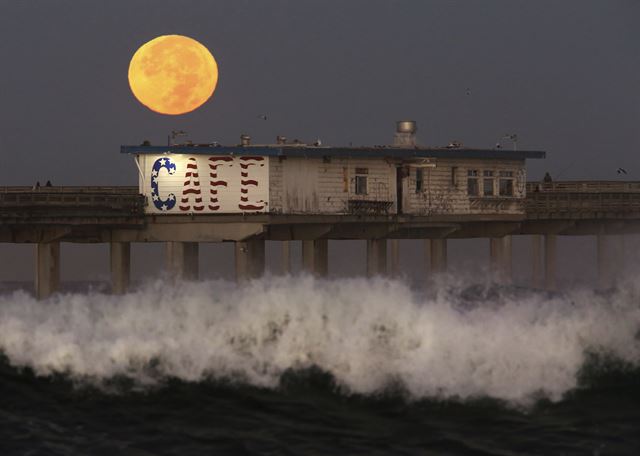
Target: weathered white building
point(297, 178)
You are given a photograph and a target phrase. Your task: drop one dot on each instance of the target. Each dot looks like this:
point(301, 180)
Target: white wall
point(183, 184)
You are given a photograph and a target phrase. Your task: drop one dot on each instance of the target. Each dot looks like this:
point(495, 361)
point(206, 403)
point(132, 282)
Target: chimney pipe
point(405, 133)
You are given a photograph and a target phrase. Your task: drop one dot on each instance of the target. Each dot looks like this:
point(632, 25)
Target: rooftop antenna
point(511, 136)
point(174, 134)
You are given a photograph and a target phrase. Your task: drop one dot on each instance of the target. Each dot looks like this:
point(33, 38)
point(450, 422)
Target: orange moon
point(173, 74)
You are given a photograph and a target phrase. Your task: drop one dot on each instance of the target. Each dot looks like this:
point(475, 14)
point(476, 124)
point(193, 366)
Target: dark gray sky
point(564, 76)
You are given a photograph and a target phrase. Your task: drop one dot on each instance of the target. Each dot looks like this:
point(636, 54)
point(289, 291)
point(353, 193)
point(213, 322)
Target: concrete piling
point(286, 257)
point(537, 265)
point(47, 269)
point(500, 254)
point(249, 259)
point(376, 257)
point(315, 257)
point(438, 255)
point(550, 258)
point(120, 258)
point(394, 257)
point(610, 259)
point(182, 260)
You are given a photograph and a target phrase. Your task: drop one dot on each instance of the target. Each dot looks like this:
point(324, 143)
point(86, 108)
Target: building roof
point(309, 151)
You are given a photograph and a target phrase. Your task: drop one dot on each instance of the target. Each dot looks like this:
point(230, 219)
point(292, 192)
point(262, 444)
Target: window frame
point(473, 185)
point(361, 184)
point(419, 180)
point(488, 181)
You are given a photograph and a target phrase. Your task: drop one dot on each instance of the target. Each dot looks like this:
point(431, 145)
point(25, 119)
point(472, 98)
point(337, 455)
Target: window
point(361, 185)
point(454, 173)
point(472, 182)
point(506, 183)
point(361, 181)
point(419, 180)
point(506, 187)
point(487, 183)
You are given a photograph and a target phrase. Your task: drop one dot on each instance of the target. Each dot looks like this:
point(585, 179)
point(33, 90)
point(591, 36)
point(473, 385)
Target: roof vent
point(245, 140)
point(405, 133)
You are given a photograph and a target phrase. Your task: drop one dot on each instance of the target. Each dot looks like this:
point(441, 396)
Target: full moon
point(173, 74)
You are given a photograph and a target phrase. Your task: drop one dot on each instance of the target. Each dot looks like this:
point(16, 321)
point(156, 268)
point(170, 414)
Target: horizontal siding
point(300, 185)
point(313, 185)
point(441, 196)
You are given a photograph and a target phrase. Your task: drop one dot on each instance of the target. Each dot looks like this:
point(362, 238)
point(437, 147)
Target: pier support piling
point(611, 254)
point(315, 257)
point(47, 269)
point(376, 257)
point(249, 259)
point(394, 260)
point(120, 256)
point(438, 255)
point(500, 253)
point(550, 258)
point(286, 257)
point(182, 260)
point(537, 265)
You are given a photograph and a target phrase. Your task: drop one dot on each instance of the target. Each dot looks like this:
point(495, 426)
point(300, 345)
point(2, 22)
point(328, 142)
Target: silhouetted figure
point(48, 184)
point(546, 178)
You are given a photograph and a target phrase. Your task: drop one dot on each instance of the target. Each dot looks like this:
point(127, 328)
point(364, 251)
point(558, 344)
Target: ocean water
point(293, 365)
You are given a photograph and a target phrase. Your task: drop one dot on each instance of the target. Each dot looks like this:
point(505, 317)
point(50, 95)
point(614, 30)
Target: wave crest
point(367, 334)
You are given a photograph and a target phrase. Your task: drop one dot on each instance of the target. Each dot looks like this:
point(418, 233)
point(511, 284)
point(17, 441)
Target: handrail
point(127, 190)
point(584, 186)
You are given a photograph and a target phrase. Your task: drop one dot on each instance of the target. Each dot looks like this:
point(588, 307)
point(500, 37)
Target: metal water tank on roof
point(405, 133)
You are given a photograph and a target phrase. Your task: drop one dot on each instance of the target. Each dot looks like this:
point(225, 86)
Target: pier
point(47, 216)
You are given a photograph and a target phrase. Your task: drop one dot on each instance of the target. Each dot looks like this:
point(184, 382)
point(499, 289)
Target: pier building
point(295, 178)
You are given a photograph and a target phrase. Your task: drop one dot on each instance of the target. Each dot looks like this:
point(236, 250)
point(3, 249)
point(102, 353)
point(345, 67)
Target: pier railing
point(579, 199)
point(583, 187)
point(109, 200)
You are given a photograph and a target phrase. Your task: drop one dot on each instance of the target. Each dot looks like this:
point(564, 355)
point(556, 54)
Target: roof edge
point(318, 152)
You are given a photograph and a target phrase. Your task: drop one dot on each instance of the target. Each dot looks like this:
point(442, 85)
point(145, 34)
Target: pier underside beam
point(120, 256)
point(182, 260)
point(249, 259)
point(315, 257)
point(47, 269)
point(376, 257)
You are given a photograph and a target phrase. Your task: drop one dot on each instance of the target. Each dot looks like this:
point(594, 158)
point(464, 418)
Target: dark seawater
point(61, 393)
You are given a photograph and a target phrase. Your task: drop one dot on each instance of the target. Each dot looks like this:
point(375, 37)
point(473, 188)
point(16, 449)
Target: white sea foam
point(366, 333)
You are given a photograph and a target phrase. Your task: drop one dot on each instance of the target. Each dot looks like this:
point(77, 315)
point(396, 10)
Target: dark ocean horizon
point(301, 366)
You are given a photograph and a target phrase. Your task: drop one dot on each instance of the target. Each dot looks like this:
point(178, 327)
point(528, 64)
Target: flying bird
point(262, 116)
point(621, 171)
point(468, 91)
